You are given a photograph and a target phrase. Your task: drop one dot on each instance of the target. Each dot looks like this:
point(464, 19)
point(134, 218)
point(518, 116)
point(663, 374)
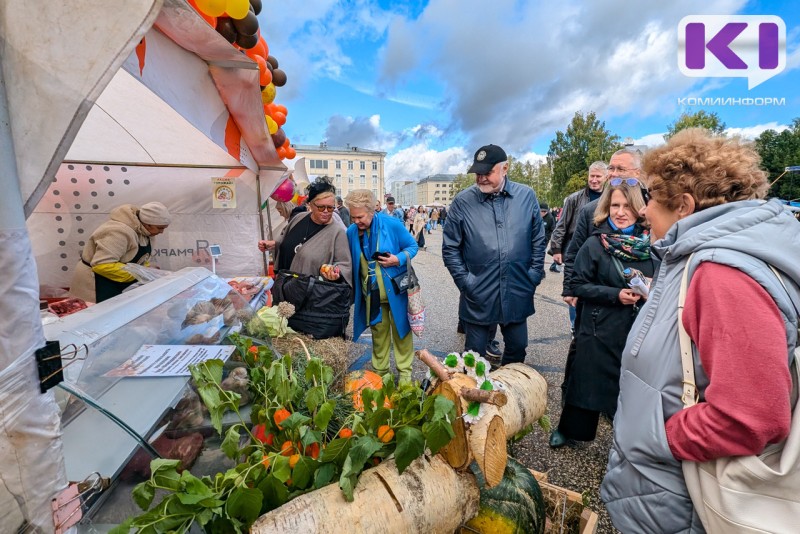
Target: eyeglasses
point(631, 182)
point(329, 209)
point(617, 168)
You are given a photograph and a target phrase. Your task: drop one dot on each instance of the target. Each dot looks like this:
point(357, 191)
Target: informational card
point(224, 192)
point(169, 360)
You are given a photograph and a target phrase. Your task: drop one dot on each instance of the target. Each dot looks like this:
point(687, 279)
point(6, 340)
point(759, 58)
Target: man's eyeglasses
point(631, 182)
point(329, 209)
point(616, 168)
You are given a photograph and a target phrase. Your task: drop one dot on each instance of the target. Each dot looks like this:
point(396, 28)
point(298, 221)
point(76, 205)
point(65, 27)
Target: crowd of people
point(662, 256)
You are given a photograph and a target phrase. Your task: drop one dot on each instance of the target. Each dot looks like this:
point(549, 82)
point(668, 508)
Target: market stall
point(168, 100)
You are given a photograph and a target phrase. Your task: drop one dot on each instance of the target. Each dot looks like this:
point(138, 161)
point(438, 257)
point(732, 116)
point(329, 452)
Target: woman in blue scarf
point(380, 247)
point(619, 242)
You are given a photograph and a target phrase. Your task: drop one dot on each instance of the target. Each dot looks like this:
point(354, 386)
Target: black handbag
point(322, 307)
point(403, 281)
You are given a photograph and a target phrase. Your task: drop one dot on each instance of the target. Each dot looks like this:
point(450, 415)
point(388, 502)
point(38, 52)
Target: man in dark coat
point(493, 245)
point(548, 220)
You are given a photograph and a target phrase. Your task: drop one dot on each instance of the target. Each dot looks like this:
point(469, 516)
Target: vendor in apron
point(125, 238)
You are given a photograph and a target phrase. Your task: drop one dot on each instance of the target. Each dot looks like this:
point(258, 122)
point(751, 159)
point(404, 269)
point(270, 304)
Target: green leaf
point(363, 448)
point(143, 495)
point(367, 395)
point(324, 415)
point(230, 445)
point(443, 408)
point(437, 434)
point(486, 385)
point(410, 446)
point(474, 408)
point(308, 436)
point(314, 397)
point(388, 384)
point(316, 369)
point(295, 421)
point(324, 475)
point(193, 490)
point(244, 504)
point(164, 473)
point(124, 528)
point(275, 493)
point(208, 375)
point(303, 471)
point(281, 469)
point(336, 451)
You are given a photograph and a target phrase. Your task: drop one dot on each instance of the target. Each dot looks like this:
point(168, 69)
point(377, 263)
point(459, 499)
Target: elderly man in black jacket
point(494, 246)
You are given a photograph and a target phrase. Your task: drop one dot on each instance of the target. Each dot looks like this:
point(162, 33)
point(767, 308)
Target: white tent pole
point(261, 221)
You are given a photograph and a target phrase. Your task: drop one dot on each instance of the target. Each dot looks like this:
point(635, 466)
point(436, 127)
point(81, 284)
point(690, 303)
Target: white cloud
point(751, 132)
point(650, 140)
point(419, 160)
point(522, 69)
point(532, 157)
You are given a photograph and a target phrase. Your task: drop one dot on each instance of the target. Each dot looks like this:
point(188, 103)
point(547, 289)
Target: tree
point(699, 119)
point(778, 151)
point(461, 182)
point(585, 141)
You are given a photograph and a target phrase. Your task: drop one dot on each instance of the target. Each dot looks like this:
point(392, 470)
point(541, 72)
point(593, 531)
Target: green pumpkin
point(515, 506)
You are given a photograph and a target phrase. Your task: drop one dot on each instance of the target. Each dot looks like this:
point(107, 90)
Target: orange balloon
point(261, 47)
point(271, 109)
point(281, 152)
point(291, 153)
point(279, 117)
point(265, 76)
point(282, 109)
point(286, 144)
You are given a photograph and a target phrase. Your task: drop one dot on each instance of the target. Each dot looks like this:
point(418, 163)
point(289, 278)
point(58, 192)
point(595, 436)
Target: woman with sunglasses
point(620, 241)
point(314, 242)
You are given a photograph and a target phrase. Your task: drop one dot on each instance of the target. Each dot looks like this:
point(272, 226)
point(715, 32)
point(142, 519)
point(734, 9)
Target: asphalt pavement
point(578, 468)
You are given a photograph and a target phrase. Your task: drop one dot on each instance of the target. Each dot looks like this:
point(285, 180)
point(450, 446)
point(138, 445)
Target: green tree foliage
point(461, 182)
point(699, 119)
point(778, 151)
point(585, 141)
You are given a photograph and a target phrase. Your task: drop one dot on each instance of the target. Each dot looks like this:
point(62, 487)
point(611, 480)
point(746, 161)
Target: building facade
point(348, 167)
point(404, 192)
point(435, 188)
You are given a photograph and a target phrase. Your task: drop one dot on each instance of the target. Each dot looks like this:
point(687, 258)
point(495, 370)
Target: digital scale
point(215, 252)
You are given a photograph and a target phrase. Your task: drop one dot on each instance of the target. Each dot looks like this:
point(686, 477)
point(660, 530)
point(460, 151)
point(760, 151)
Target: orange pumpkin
point(358, 380)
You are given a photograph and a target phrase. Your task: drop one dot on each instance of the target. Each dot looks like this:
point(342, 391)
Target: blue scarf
point(627, 231)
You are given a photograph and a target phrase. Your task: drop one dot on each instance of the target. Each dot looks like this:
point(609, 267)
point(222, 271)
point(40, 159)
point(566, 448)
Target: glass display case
point(107, 419)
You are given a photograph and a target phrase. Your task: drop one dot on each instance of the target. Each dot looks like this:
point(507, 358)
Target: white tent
point(92, 116)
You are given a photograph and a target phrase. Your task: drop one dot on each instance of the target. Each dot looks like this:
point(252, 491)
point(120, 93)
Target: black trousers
point(578, 423)
point(515, 339)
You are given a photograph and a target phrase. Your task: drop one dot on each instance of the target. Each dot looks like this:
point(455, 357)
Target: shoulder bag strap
point(690, 395)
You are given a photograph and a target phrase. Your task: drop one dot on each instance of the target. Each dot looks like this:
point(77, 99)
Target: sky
point(429, 82)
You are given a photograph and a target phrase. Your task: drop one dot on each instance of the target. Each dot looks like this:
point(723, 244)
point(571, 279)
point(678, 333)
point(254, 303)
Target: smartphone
point(379, 255)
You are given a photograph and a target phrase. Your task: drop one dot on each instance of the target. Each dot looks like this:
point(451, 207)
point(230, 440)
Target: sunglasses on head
point(631, 182)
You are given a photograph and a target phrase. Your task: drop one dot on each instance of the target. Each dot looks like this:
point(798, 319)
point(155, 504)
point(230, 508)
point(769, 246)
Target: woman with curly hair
point(620, 241)
point(710, 224)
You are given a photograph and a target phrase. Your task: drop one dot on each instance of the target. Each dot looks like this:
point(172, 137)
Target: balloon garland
point(237, 22)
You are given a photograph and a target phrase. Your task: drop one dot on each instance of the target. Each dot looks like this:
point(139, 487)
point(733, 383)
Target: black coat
point(603, 325)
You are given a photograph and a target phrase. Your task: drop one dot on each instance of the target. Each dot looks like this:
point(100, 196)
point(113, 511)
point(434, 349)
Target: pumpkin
point(515, 506)
point(358, 380)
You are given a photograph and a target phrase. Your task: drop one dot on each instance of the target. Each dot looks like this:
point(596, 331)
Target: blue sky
point(431, 81)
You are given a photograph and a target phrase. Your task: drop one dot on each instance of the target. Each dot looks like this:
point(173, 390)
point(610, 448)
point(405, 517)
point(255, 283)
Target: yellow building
point(348, 167)
point(435, 188)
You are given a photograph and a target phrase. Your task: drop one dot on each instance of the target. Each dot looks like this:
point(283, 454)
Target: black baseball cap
point(543, 206)
point(486, 158)
point(390, 200)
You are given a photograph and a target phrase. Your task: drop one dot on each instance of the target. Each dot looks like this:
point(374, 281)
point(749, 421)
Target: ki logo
point(732, 46)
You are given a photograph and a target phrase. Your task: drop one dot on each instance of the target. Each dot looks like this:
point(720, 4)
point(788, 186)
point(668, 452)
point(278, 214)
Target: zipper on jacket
point(595, 314)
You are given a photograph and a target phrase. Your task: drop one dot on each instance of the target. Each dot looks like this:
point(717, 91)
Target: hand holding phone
point(379, 255)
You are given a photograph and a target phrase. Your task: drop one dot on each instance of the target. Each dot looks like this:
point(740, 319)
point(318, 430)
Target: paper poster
point(224, 192)
point(169, 360)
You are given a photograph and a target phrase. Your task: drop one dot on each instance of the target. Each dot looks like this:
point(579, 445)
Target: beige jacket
point(116, 240)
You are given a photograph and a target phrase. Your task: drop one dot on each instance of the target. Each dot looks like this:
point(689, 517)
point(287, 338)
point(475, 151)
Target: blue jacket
point(494, 249)
point(394, 238)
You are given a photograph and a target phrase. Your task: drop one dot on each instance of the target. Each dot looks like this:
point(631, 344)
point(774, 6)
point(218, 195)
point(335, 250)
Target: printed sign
point(224, 192)
point(169, 360)
point(732, 46)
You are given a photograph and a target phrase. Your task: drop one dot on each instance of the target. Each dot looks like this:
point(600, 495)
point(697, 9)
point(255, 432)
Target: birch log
point(428, 497)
